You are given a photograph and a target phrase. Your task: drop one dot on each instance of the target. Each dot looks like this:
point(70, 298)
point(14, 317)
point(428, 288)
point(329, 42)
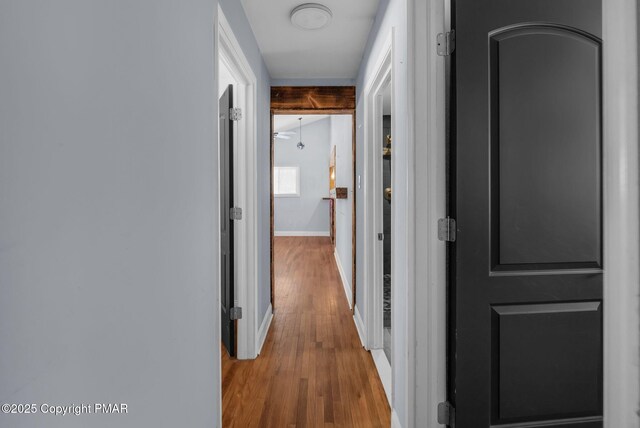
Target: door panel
point(526, 190)
point(535, 349)
point(226, 224)
point(545, 144)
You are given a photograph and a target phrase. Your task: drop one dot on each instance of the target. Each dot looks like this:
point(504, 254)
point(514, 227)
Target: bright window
point(286, 181)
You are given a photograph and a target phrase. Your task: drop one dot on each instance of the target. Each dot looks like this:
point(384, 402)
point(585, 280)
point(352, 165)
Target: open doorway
point(238, 219)
point(313, 190)
point(338, 102)
point(384, 206)
point(379, 220)
point(381, 327)
point(311, 369)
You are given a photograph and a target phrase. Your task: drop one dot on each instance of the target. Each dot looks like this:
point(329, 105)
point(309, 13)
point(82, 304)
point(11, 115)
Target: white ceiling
point(331, 52)
point(288, 122)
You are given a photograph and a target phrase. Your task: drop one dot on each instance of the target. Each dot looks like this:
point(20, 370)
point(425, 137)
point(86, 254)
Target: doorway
point(385, 149)
point(228, 317)
point(311, 102)
point(379, 241)
point(235, 74)
point(313, 185)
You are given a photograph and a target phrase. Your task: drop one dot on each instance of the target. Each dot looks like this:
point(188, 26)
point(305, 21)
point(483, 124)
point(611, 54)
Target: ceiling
point(331, 52)
point(289, 122)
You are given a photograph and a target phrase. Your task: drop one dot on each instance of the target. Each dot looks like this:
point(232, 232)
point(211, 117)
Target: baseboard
point(384, 371)
point(395, 420)
point(264, 329)
point(345, 281)
point(360, 327)
point(300, 233)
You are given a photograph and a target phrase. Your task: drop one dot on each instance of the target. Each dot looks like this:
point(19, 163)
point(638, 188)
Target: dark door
point(226, 223)
point(526, 191)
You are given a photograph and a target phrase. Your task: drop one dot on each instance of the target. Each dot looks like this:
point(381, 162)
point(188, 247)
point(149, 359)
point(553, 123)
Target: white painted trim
point(343, 278)
point(264, 328)
point(362, 330)
point(372, 248)
point(217, 330)
point(621, 215)
point(430, 204)
point(385, 74)
point(395, 420)
point(369, 228)
point(301, 233)
point(384, 371)
point(245, 184)
point(409, 331)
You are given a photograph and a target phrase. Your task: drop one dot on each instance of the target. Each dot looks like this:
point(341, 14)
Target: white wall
point(392, 16)
point(108, 237)
point(307, 213)
point(341, 137)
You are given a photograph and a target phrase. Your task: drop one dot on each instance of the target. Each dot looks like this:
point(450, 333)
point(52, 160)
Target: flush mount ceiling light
point(311, 16)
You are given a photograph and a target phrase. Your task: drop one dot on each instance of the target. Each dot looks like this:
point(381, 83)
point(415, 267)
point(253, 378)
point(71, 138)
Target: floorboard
point(313, 371)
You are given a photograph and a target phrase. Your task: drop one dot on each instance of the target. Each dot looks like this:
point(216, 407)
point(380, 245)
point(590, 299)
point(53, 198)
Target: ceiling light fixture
point(300, 145)
point(311, 16)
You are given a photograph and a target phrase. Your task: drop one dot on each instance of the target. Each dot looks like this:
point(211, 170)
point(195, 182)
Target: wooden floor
point(313, 371)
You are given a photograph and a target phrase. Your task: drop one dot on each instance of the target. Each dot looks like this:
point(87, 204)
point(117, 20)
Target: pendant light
point(300, 145)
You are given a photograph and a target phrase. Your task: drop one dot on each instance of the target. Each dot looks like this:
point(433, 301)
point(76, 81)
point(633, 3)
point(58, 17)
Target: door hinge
point(446, 414)
point(447, 229)
point(235, 313)
point(235, 213)
point(235, 113)
point(380, 236)
point(446, 43)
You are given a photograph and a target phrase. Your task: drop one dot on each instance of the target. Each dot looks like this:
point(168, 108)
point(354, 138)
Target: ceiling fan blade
point(282, 137)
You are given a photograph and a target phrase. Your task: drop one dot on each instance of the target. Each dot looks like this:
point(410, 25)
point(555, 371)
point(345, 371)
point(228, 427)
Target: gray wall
point(307, 213)
point(108, 244)
point(341, 137)
point(236, 17)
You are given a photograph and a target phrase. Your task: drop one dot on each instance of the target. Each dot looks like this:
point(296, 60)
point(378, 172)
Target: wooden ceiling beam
point(315, 99)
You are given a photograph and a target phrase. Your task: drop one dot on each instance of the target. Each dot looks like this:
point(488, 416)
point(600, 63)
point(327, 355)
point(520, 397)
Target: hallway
point(312, 371)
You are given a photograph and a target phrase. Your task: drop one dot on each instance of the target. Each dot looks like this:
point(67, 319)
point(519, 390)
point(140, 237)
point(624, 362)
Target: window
point(286, 181)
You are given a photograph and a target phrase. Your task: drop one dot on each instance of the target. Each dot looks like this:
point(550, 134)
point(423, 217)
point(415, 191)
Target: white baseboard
point(300, 233)
point(384, 370)
point(345, 281)
point(362, 332)
point(395, 420)
point(264, 329)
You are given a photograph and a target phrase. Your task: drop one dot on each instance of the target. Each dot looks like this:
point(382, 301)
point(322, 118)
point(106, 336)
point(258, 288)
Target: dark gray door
point(525, 317)
point(226, 224)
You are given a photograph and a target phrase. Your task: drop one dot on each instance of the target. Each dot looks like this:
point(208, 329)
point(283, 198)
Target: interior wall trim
point(343, 278)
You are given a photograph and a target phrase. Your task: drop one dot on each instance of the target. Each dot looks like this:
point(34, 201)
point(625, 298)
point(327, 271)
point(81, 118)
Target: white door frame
point(430, 124)
point(621, 212)
point(245, 195)
point(373, 221)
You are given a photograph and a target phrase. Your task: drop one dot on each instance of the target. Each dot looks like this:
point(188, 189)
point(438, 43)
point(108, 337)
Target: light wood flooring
point(312, 371)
